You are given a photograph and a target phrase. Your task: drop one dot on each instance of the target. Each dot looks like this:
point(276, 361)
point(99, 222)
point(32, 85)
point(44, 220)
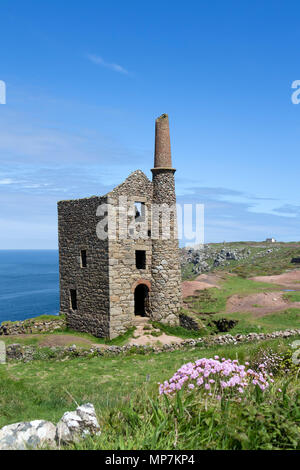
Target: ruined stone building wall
point(77, 222)
point(124, 276)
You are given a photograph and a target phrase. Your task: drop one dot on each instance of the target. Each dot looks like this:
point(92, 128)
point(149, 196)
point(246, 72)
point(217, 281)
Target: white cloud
point(6, 181)
point(9, 181)
point(21, 184)
point(99, 61)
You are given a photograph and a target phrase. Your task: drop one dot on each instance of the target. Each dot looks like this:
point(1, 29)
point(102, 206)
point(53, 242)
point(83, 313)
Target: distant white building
point(270, 240)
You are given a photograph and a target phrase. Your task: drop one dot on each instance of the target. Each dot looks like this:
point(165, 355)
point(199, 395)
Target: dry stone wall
point(32, 326)
point(17, 352)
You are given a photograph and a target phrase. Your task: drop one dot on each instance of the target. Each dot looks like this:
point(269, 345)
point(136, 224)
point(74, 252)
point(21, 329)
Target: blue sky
point(86, 80)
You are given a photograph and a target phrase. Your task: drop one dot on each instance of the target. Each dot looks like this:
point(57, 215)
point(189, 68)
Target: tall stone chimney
point(166, 272)
point(162, 156)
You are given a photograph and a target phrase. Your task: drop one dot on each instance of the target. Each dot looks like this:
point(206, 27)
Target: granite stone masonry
point(105, 282)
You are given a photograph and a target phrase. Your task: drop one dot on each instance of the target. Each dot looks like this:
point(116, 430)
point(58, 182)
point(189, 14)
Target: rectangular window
point(139, 211)
point(83, 258)
point(140, 259)
point(73, 297)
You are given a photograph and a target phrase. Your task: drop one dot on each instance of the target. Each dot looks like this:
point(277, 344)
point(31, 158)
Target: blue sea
point(29, 284)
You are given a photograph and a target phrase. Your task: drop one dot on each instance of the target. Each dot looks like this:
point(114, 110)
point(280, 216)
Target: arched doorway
point(141, 300)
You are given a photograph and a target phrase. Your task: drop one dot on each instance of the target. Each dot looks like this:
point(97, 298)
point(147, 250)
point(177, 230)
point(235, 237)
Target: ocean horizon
point(29, 284)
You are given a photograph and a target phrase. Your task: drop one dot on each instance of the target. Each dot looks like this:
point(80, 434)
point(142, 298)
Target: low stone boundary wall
point(32, 326)
point(30, 353)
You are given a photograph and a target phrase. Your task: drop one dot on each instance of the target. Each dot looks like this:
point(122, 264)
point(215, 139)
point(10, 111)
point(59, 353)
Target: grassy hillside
point(124, 391)
point(257, 259)
point(209, 306)
point(276, 262)
point(214, 300)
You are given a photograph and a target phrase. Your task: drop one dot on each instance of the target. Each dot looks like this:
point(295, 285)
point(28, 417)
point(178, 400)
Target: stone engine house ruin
point(106, 281)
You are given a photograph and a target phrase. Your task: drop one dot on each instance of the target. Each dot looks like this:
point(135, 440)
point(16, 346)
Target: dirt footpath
point(265, 303)
point(147, 339)
point(289, 280)
point(142, 336)
point(204, 281)
point(260, 304)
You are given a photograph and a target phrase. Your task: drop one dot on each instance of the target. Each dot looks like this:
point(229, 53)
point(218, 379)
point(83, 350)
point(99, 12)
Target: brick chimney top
point(162, 157)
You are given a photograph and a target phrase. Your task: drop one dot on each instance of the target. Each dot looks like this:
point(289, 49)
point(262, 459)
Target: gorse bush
point(288, 366)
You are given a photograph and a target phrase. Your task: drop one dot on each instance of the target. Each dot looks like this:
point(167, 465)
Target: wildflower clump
point(276, 362)
point(271, 360)
point(216, 378)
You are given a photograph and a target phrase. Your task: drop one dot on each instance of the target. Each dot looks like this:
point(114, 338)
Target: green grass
point(155, 333)
point(276, 262)
point(267, 421)
point(247, 323)
point(178, 331)
point(273, 263)
point(125, 394)
point(292, 296)
point(210, 304)
point(46, 389)
point(118, 341)
point(26, 341)
point(37, 338)
point(214, 300)
point(187, 272)
point(41, 318)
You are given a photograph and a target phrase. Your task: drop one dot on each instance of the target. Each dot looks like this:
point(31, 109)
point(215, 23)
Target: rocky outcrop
point(31, 435)
point(208, 257)
point(73, 426)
